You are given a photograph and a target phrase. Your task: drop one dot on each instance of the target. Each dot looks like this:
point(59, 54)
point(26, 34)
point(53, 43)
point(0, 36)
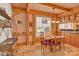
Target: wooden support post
point(27, 24)
point(34, 29)
point(27, 28)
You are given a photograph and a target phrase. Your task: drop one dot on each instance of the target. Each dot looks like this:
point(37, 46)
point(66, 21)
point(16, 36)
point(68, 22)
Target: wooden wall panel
point(17, 16)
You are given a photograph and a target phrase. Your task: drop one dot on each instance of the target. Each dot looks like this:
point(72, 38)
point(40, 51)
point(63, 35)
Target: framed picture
point(19, 22)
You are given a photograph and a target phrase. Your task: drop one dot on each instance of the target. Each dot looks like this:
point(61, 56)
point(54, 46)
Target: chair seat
point(55, 43)
point(46, 42)
point(49, 42)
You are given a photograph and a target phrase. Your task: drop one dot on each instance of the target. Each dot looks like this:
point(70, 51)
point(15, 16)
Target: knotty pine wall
point(20, 18)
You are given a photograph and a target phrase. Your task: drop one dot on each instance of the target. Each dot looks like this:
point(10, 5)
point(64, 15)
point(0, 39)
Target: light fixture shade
point(53, 21)
point(57, 21)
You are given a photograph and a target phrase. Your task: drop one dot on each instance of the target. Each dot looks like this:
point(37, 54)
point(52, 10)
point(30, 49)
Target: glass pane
point(43, 24)
point(66, 26)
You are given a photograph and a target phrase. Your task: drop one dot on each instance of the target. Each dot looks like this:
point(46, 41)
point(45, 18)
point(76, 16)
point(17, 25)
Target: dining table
point(55, 37)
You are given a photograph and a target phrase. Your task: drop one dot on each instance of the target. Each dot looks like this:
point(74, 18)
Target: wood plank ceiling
point(47, 7)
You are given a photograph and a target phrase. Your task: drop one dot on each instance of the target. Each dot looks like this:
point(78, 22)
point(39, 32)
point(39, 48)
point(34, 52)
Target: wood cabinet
point(72, 38)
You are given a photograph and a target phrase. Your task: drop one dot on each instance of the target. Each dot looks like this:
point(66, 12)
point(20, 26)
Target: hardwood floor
point(35, 50)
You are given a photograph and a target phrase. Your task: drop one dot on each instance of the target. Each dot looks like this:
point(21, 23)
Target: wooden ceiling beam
point(42, 13)
point(20, 8)
point(15, 7)
point(27, 7)
point(55, 6)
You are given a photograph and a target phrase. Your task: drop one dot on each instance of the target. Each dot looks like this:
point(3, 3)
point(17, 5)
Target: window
point(43, 24)
point(68, 26)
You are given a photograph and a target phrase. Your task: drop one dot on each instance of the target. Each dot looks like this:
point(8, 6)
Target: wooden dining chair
point(58, 40)
point(6, 46)
point(56, 43)
point(44, 42)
